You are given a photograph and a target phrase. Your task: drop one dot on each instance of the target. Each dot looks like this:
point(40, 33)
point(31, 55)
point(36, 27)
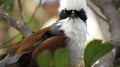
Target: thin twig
point(22, 13)
point(28, 22)
point(25, 31)
point(36, 9)
point(96, 12)
point(13, 22)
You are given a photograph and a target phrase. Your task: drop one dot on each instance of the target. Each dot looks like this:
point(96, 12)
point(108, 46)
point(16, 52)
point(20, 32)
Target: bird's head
point(72, 9)
point(72, 16)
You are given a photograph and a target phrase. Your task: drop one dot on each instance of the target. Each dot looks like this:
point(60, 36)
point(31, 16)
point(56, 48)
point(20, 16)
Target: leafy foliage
point(7, 5)
point(95, 50)
point(60, 59)
point(45, 59)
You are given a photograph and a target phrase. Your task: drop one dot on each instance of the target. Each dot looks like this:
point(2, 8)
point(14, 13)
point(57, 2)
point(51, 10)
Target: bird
point(69, 31)
point(72, 22)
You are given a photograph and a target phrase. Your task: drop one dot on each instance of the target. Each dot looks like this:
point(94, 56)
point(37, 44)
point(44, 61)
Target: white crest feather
point(72, 4)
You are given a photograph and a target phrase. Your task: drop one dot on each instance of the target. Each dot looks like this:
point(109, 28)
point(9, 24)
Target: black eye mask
point(78, 14)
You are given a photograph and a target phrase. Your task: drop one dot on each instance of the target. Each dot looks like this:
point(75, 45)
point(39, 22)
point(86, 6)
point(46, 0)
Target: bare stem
point(25, 31)
point(36, 9)
point(22, 13)
point(89, 4)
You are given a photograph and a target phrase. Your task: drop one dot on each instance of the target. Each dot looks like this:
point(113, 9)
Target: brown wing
point(50, 44)
point(26, 44)
point(37, 43)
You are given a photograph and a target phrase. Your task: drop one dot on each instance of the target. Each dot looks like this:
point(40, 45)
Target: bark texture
point(109, 9)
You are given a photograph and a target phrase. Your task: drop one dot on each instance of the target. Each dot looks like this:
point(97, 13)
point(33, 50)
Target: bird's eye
point(65, 13)
point(81, 14)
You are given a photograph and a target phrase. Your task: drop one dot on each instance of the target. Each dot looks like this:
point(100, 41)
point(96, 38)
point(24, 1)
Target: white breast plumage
point(75, 31)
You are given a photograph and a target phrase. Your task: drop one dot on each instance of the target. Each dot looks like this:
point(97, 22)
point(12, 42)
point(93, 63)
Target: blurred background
point(43, 16)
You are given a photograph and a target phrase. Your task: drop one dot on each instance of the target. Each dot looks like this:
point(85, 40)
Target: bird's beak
point(72, 16)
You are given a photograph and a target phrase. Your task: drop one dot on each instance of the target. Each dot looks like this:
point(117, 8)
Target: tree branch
point(90, 4)
point(25, 31)
point(36, 9)
point(108, 8)
point(22, 13)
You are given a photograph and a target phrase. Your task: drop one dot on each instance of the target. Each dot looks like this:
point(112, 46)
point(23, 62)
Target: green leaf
point(95, 50)
point(44, 59)
point(61, 57)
